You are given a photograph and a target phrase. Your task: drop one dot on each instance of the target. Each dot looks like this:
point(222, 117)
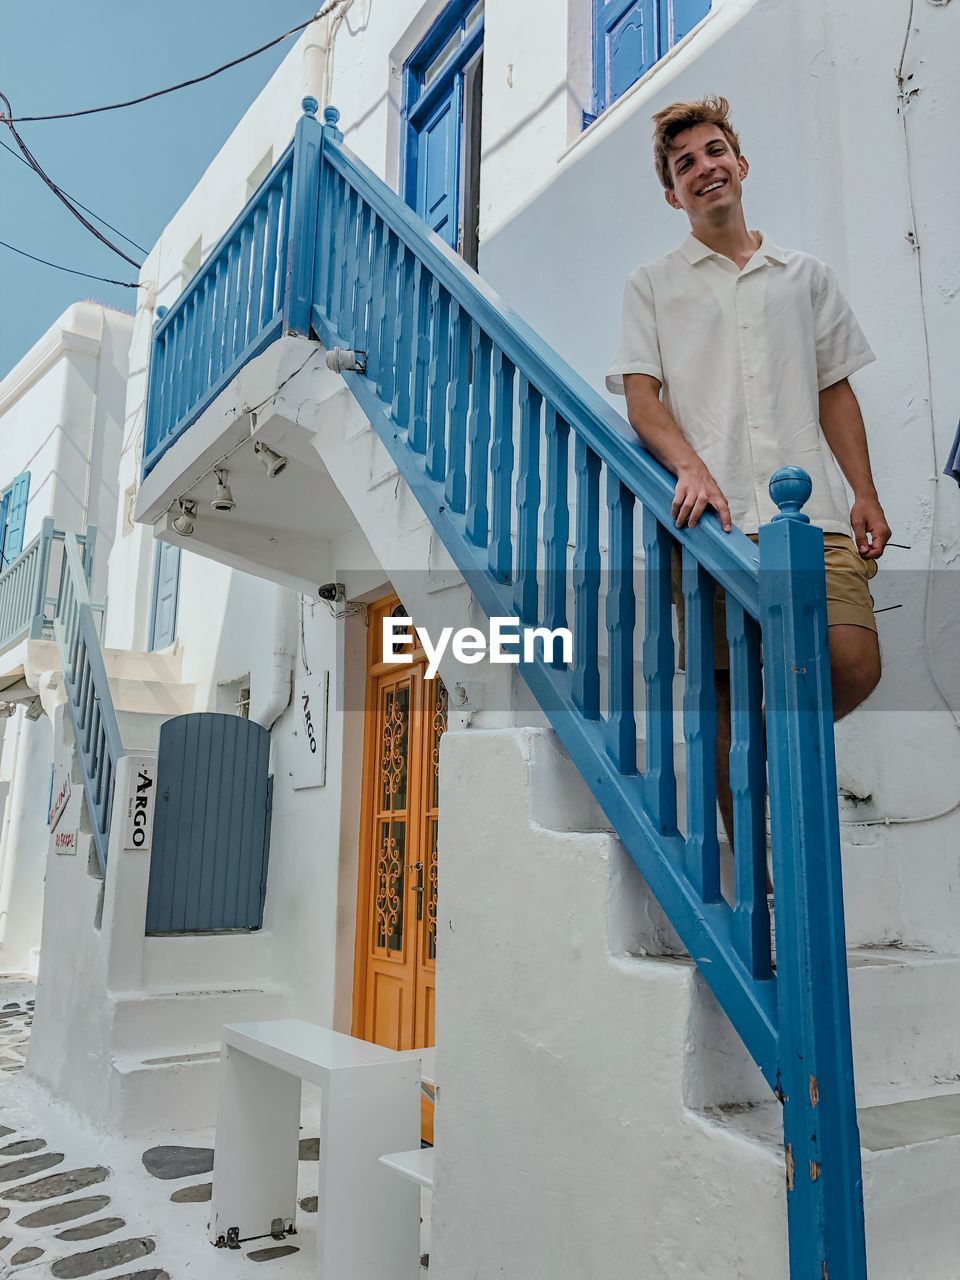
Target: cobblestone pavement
point(74, 1203)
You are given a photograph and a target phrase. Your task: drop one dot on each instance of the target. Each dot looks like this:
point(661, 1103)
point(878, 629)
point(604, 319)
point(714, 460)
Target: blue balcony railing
point(486, 424)
point(31, 587)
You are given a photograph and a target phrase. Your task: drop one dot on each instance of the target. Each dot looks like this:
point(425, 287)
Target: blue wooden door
point(438, 166)
point(211, 831)
point(166, 594)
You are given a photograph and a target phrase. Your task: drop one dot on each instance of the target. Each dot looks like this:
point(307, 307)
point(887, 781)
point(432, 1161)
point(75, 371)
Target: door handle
point(418, 887)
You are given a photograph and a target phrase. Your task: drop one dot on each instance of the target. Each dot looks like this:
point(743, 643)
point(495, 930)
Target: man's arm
point(661, 434)
point(842, 425)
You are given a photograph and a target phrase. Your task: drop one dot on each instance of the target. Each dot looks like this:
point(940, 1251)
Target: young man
point(751, 346)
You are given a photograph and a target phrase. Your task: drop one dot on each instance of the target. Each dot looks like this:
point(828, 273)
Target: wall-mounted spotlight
point(274, 462)
point(183, 523)
point(224, 500)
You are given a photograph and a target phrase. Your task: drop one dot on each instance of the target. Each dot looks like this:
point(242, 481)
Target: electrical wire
point(124, 284)
point(57, 191)
point(96, 216)
point(184, 84)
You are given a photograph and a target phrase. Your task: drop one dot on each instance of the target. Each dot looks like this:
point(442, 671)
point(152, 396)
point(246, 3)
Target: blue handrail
point(89, 700)
point(476, 411)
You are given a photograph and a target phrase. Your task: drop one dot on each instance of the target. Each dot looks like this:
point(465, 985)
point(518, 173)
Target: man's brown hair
point(685, 115)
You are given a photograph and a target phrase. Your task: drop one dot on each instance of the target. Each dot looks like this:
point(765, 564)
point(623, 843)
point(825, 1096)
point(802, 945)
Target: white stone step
point(220, 960)
point(182, 1021)
point(911, 1152)
point(173, 1093)
point(133, 664)
point(153, 697)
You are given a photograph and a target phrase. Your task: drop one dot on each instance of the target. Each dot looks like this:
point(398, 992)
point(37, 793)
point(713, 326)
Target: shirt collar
point(695, 251)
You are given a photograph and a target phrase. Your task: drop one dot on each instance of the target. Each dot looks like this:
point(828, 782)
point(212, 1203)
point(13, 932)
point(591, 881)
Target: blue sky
point(133, 167)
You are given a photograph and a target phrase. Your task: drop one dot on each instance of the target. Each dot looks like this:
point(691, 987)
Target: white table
point(368, 1218)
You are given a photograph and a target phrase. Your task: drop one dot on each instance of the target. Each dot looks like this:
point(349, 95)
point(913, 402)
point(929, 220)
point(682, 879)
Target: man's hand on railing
point(696, 490)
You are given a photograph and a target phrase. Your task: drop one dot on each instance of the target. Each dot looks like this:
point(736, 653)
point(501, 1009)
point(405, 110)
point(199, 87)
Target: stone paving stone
point(178, 1162)
point(108, 1255)
point(275, 1251)
point(69, 1211)
point(14, 1170)
point(4, 1213)
point(154, 1273)
point(58, 1184)
point(22, 1148)
point(4, 1131)
point(90, 1230)
point(309, 1148)
point(309, 1204)
point(4, 1241)
point(11, 1068)
point(30, 1254)
point(193, 1195)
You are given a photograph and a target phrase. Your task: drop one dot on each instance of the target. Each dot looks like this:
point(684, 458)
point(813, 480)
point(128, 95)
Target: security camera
point(334, 592)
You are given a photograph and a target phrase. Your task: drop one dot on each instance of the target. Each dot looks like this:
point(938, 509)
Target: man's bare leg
point(854, 673)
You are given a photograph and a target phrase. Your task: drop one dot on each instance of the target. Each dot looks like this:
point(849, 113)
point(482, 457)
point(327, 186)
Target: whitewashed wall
point(61, 414)
point(837, 170)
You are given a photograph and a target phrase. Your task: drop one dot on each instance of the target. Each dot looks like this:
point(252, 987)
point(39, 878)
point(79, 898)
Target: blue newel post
point(302, 221)
point(821, 1137)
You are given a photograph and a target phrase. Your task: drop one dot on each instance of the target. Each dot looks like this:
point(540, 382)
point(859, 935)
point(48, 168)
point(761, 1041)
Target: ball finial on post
point(790, 487)
point(331, 116)
point(310, 106)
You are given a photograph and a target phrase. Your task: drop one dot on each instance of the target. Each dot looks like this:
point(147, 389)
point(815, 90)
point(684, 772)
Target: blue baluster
point(660, 779)
point(586, 581)
point(824, 1195)
point(526, 594)
point(270, 299)
point(459, 405)
point(479, 438)
point(501, 465)
point(351, 257)
point(621, 724)
point(417, 436)
point(233, 304)
point(373, 333)
point(388, 322)
point(404, 332)
point(243, 294)
point(257, 282)
point(702, 855)
point(439, 380)
point(556, 525)
point(361, 300)
point(748, 787)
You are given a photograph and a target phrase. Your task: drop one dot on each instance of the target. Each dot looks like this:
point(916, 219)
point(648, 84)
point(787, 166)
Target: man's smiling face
point(707, 176)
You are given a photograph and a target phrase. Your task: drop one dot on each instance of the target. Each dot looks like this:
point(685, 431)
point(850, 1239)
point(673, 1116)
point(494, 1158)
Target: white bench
point(417, 1165)
point(368, 1219)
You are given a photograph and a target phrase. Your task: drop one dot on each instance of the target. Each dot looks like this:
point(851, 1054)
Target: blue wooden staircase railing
point(486, 423)
point(89, 700)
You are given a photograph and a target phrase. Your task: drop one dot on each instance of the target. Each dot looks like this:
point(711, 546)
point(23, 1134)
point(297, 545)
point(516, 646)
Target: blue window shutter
point(438, 167)
point(166, 592)
point(16, 517)
point(684, 17)
point(625, 45)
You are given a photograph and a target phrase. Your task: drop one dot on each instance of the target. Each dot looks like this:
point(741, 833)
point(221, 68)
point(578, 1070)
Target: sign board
point(311, 698)
point(59, 795)
point(141, 798)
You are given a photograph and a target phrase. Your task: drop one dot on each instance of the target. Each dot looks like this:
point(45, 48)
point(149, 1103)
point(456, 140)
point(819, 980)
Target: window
point(233, 697)
point(629, 36)
point(259, 172)
point(13, 518)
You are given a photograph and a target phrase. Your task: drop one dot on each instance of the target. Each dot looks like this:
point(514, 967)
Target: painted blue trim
point(662, 23)
point(161, 550)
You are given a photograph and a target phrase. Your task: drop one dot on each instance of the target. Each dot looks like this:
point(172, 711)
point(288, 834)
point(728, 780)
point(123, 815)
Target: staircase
point(127, 1028)
point(532, 484)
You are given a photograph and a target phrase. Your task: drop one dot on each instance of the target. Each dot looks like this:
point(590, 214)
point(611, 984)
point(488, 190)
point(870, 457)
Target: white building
point(61, 421)
point(597, 1112)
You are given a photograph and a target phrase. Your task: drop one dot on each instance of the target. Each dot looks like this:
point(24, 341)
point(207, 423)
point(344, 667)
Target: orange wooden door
point(395, 971)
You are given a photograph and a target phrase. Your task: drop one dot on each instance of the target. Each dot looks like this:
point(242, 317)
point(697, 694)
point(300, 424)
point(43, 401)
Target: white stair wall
point(608, 1079)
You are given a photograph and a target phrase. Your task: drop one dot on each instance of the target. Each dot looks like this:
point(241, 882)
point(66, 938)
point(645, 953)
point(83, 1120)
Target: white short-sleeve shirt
point(742, 356)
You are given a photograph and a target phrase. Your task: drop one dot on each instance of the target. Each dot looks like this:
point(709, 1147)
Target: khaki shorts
point(848, 597)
